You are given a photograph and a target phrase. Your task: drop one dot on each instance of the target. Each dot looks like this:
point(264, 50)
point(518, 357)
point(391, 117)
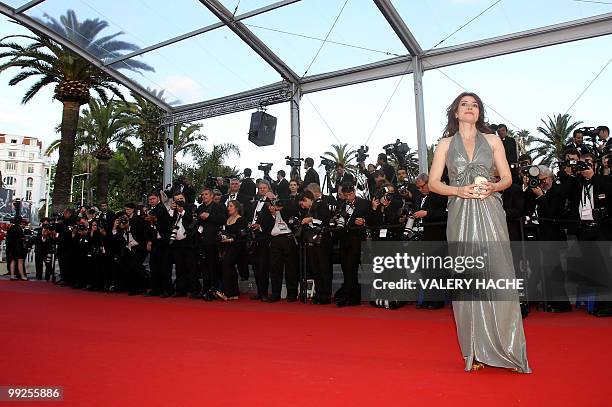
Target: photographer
point(233, 250)
point(343, 177)
point(260, 225)
point(386, 208)
point(283, 252)
point(182, 248)
point(45, 243)
point(158, 236)
point(106, 216)
point(406, 189)
point(549, 202)
point(577, 143)
point(95, 251)
point(386, 168)
point(183, 186)
point(369, 174)
point(129, 232)
point(234, 194)
point(65, 247)
point(311, 176)
point(604, 137)
point(589, 203)
point(354, 213)
point(210, 216)
point(83, 271)
point(247, 186)
point(317, 242)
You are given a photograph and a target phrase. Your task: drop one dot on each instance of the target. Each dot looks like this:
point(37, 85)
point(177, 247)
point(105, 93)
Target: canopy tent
point(388, 38)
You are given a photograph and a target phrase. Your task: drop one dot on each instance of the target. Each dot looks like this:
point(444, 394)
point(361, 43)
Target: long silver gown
point(489, 328)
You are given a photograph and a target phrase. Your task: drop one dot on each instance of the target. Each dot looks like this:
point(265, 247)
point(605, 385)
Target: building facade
point(25, 169)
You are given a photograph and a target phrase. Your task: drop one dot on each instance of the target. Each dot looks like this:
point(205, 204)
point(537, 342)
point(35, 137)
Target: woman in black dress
point(15, 248)
point(233, 250)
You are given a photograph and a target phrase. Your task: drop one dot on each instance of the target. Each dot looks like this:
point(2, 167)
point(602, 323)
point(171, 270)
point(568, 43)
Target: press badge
point(283, 227)
point(383, 233)
point(586, 213)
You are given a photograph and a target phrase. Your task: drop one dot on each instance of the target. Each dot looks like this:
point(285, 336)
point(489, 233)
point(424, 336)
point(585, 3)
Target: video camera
point(265, 167)
point(589, 132)
point(293, 162)
point(328, 164)
point(398, 150)
point(361, 154)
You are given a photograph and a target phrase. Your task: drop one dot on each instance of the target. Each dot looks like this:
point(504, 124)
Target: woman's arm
point(499, 158)
point(436, 171)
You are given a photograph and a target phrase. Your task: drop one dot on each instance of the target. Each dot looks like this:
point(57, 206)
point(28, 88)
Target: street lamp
point(82, 185)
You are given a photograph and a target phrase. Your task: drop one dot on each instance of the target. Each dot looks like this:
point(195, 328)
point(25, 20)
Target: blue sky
point(522, 88)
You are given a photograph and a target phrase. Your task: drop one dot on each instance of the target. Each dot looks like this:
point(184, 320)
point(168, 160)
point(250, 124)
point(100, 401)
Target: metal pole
point(168, 155)
point(420, 114)
point(82, 190)
point(71, 187)
point(295, 121)
point(47, 193)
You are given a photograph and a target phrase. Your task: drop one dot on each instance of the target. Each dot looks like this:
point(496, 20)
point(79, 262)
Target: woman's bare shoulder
point(492, 139)
point(443, 142)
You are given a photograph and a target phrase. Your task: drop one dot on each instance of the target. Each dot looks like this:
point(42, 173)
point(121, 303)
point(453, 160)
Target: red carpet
point(115, 350)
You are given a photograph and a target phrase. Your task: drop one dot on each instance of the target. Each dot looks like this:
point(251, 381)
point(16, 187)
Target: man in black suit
point(431, 210)
point(157, 245)
point(281, 186)
point(513, 201)
point(210, 217)
point(343, 177)
point(604, 136)
point(132, 237)
point(589, 204)
point(386, 168)
point(182, 247)
point(509, 144)
point(247, 186)
point(356, 212)
point(234, 194)
point(261, 223)
point(577, 143)
point(549, 203)
point(311, 176)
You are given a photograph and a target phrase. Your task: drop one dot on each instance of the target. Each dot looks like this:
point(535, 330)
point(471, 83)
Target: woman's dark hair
point(452, 124)
point(237, 205)
point(306, 194)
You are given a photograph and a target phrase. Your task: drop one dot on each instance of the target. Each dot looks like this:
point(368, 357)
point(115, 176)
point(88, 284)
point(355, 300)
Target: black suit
point(159, 261)
point(206, 232)
point(514, 204)
point(281, 189)
point(319, 255)
point(346, 177)
point(350, 251)
point(310, 177)
point(387, 218)
point(183, 254)
point(582, 148)
point(389, 172)
point(261, 259)
point(511, 151)
point(248, 187)
point(435, 205)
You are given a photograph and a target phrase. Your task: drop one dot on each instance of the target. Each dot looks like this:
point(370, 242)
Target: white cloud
point(183, 88)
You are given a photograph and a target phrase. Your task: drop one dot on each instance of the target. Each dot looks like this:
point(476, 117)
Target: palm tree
point(187, 140)
point(552, 138)
point(74, 77)
point(102, 125)
point(342, 153)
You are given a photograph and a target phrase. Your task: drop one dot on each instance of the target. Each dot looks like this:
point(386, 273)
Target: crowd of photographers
point(288, 230)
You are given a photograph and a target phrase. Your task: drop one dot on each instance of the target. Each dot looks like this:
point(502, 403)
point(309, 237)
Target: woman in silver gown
point(489, 326)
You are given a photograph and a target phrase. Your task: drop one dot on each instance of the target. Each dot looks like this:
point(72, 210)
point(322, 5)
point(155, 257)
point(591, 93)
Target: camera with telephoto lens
point(533, 173)
point(81, 227)
point(384, 192)
point(124, 220)
point(173, 233)
point(411, 230)
point(338, 221)
point(361, 154)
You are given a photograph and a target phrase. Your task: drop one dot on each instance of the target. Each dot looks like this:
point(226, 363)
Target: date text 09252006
point(31, 393)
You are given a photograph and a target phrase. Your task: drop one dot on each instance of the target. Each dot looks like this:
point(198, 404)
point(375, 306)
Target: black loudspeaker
point(263, 129)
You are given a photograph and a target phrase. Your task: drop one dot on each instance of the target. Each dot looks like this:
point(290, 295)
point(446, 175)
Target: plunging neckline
point(465, 149)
